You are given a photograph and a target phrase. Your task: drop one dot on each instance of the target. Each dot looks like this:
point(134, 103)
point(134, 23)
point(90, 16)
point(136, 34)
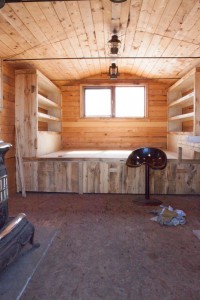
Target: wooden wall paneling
point(102, 177)
point(31, 176)
point(7, 122)
point(51, 176)
point(185, 174)
point(46, 180)
point(97, 176)
point(115, 178)
point(158, 182)
point(197, 104)
point(91, 177)
point(66, 175)
point(73, 177)
point(192, 178)
point(90, 133)
point(60, 174)
point(170, 182)
point(134, 179)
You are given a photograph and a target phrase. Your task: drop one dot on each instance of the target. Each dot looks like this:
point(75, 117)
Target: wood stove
point(15, 232)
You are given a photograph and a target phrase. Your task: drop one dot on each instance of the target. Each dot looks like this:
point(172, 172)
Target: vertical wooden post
point(19, 162)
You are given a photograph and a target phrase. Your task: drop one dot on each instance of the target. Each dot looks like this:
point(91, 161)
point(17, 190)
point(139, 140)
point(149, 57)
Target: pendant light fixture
point(114, 44)
point(113, 71)
point(117, 1)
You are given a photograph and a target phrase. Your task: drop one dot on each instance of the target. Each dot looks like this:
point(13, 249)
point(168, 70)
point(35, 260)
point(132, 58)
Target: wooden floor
point(108, 248)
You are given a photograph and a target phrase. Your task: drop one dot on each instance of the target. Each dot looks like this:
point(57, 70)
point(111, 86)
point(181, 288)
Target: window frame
point(112, 87)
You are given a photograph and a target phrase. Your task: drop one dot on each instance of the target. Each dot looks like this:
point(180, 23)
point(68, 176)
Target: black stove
point(15, 232)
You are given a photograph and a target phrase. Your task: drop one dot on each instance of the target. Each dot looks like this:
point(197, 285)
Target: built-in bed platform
point(99, 154)
point(106, 172)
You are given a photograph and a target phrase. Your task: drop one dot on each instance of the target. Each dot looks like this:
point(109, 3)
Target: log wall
point(7, 123)
point(114, 133)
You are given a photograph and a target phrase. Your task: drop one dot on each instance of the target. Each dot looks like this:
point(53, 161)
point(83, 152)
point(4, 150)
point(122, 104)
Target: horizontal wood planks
point(7, 122)
point(114, 133)
point(110, 176)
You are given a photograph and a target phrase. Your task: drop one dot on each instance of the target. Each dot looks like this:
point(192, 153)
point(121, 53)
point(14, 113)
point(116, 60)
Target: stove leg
point(31, 241)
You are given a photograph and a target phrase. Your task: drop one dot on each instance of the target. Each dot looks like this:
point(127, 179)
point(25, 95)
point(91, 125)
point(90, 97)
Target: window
point(115, 101)
point(98, 102)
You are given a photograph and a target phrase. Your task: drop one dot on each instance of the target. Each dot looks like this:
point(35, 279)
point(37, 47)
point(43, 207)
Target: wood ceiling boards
point(69, 39)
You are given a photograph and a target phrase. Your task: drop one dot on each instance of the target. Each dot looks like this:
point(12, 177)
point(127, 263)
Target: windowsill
point(115, 118)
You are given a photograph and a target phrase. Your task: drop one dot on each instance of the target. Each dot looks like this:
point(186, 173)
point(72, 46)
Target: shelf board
point(44, 102)
point(183, 101)
point(47, 118)
point(183, 117)
point(49, 132)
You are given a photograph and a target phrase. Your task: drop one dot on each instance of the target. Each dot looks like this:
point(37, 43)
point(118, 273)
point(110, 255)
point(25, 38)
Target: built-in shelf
point(47, 118)
point(49, 132)
point(183, 117)
point(183, 101)
point(46, 103)
point(183, 104)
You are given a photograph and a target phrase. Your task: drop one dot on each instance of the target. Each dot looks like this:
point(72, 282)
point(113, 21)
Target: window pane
point(98, 102)
point(130, 101)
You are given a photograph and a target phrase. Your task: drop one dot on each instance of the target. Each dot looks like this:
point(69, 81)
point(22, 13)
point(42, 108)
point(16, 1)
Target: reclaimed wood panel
point(110, 176)
point(51, 176)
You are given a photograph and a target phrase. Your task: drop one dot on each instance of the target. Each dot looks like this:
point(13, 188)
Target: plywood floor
point(108, 248)
point(118, 154)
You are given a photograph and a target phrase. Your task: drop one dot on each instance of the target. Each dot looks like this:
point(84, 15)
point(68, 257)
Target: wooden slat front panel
point(121, 133)
point(52, 176)
point(102, 177)
point(7, 123)
point(111, 177)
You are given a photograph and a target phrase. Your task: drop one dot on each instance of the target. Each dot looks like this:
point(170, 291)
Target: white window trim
point(82, 86)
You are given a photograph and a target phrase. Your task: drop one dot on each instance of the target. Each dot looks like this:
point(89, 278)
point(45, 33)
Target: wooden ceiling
point(69, 39)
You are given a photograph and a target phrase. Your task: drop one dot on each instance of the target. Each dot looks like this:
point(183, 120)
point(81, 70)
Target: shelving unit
point(184, 109)
point(47, 118)
point(183, 117)
point(46, 103)
point(182, 103)
point(38, 113)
